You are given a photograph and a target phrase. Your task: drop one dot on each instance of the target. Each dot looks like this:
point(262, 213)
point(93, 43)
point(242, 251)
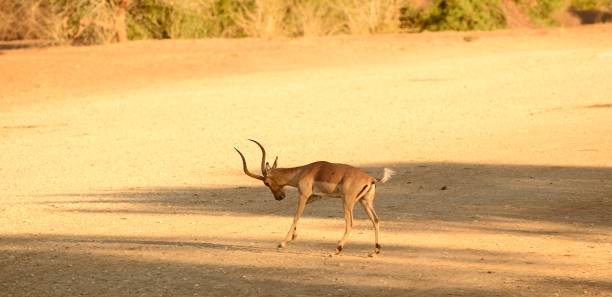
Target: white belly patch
point(326, 189)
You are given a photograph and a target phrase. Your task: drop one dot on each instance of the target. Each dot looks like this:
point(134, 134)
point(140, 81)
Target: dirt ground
point(119, 176)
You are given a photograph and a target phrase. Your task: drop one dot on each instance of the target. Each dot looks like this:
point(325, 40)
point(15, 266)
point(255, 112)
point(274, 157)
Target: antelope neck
point(286, 176)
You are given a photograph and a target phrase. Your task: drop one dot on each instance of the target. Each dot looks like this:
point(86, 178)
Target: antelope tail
point(387, 174)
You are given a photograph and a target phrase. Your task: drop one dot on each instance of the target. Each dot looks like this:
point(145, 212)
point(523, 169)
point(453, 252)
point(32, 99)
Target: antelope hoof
point(338, 250)
point(376, 251)
point(282, 245)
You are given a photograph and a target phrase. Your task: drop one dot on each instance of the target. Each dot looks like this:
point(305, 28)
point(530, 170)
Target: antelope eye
point(267, 184)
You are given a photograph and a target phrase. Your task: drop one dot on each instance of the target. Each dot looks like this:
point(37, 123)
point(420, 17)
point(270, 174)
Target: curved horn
point(244, 167)
point(263, 157)
point(275, 162)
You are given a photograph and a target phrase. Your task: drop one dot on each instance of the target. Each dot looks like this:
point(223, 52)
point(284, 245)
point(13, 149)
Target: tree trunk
point(121, 20)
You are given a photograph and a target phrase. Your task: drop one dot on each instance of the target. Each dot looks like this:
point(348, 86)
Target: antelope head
point(267, 173)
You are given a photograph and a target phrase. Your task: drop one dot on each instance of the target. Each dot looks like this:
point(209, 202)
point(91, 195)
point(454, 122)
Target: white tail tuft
point(387, 174)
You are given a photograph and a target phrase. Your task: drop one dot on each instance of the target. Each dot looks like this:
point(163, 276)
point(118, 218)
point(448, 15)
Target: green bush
point(461, 15)
point(223, 13)
point(162, 19)
point(591, 4)
point(89, 21)
point(543, 11)
point(592, 11)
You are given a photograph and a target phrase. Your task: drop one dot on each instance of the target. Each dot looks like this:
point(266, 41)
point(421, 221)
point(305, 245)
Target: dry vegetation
point(103, 21)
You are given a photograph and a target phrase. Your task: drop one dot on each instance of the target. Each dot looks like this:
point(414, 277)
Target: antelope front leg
point(298, 213)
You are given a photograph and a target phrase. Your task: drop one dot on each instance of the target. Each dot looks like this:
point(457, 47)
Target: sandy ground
point(119, 176)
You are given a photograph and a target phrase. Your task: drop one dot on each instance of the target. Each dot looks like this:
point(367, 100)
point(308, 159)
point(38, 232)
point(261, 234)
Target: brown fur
point(322, 178)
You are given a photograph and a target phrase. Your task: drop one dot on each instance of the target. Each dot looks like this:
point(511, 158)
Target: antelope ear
point(275, 163)
point(268, 169)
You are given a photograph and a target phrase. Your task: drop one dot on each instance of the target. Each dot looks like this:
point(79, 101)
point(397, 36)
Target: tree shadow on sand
point(570, 204)
point(446, 192)
point(56, 265)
